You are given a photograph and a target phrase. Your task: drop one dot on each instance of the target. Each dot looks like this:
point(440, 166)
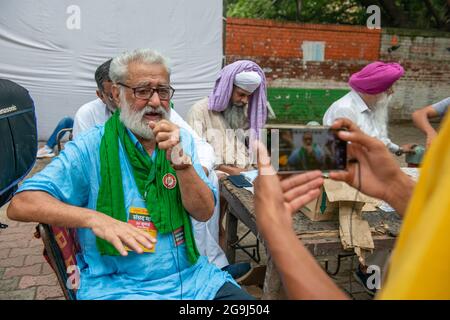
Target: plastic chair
point(60, 248)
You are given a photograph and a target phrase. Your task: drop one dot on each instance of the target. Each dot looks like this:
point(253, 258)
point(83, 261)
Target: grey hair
point(118, 71)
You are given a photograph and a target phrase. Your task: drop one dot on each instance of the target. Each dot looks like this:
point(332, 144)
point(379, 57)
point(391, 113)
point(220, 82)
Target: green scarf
point(164, 205)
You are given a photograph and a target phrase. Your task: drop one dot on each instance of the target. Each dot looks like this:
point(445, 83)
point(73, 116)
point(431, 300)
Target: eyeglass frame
point(153, 90)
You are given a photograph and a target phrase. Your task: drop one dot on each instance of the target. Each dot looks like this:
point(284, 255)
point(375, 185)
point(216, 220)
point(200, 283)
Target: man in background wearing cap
point(367, 106)
point(98, 111)
point(367, 103)
point(231, 116)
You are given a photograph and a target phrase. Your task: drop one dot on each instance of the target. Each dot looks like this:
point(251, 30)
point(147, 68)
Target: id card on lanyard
point(141, 219)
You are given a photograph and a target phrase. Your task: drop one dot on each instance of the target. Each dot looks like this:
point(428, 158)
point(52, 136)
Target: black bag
point(18, 137)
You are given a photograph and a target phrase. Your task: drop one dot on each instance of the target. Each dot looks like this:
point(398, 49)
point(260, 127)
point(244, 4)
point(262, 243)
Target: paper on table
point(354, 231)
point(412, 172)
point(386, 207)
point(250, 189)
point(250, 175)
point(341, 191)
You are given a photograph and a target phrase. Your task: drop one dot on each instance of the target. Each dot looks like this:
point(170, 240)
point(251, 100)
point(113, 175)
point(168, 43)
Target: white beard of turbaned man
point(236, 116)
point(135, 121)
point(380, 113)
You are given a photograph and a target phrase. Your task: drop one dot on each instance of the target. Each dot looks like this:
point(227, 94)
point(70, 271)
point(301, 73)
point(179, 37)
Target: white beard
point(236, 117)
point(380, 113)
point(135, 121)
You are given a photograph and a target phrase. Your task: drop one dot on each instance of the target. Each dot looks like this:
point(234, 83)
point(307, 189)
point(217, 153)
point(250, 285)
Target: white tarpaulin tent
point(52, 47)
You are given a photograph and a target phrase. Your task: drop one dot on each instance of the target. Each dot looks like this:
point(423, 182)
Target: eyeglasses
point(145, 93)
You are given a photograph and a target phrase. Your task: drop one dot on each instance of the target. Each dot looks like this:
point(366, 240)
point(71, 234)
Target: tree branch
point(433, 12)
point(397, 14)
point(447, 17)
point(298, 8)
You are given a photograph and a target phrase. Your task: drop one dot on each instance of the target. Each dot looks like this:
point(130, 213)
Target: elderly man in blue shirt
point(128, 187)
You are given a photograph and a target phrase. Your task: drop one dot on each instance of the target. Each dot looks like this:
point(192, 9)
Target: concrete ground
point(24, 274)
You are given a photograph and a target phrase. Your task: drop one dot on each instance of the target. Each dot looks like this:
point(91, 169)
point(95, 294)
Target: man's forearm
point(420, 119)
point(231, 170)
point(39, 206)
point(302, 276)
point(389, 144)
point(425, 127)
point(197, 198)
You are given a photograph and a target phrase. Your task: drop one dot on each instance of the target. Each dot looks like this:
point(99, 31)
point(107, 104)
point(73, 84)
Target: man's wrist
point(184, 163)
point(92, 219)
point(399, 152)
point(430, 132)
point(400, 193)
point(179, 159)
point(181, 167)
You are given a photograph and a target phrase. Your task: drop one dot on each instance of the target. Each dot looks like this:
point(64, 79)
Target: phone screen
point(306, 148)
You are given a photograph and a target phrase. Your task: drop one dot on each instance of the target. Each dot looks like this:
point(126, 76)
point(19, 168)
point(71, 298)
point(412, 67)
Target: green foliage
point(261, 9)
point(419, 16)
point(397, 13)
point(337, 12)
point(314, 11)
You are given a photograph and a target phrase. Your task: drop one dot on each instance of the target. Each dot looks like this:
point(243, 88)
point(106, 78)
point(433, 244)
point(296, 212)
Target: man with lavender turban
point(367, 106)
point(238, 102)
point(229, 118)
point(248, 76)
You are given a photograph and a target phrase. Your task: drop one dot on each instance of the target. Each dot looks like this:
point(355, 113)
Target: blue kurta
point(73, 177)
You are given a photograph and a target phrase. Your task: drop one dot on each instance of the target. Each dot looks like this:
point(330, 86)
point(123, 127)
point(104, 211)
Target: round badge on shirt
point(169, 181)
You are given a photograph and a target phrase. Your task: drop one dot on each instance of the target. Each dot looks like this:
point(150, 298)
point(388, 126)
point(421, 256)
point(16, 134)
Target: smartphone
point(239, 181)
point(305, 148)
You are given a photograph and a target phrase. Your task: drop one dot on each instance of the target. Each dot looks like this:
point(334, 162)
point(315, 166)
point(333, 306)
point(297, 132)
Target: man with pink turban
point(367, 103)
point(367, 106)
point(230, 117)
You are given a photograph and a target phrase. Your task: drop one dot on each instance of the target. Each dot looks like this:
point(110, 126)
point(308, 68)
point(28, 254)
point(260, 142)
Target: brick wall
point(277, 48)
point(426, 59)
point(267, 38)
